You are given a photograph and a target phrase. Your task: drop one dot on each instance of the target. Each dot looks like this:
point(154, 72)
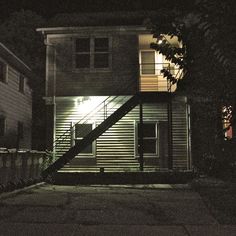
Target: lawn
point(219, 197)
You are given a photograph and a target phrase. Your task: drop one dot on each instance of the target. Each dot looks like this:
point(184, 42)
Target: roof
point(14, 61)
point(100, 19)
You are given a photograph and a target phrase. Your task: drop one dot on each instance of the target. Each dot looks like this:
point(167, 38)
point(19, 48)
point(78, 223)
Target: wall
point(117, 144)
point(121, 78)
point(15, 106)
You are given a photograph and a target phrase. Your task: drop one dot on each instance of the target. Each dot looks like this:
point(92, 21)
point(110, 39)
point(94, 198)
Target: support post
point(140, 132)
point(170, 142)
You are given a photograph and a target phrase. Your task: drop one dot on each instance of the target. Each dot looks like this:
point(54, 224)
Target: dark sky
point(49, 8)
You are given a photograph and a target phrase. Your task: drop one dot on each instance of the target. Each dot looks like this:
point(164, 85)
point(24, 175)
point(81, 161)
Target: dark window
point(81, 130)
point(22, 83)
point(150, 139)
point(2, 126)
point(3, 72)
point(101, 53)
point(82, 48)
point(20, 130)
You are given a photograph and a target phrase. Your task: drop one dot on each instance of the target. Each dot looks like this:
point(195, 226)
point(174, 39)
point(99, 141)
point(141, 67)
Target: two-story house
point(109, 108)
point(15, 101)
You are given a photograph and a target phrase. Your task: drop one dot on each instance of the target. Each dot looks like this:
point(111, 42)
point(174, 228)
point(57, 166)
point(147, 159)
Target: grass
point(219, 197)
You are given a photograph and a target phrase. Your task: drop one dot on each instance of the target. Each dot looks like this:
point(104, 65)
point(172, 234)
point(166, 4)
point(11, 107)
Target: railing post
point(140, 133)
point(170, 142)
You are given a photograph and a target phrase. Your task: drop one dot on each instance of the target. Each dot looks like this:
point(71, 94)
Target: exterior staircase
point(94, 134)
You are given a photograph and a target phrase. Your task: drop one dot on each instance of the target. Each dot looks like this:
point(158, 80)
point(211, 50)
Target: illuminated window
point(81, 130)
point(2, 126)
point(227, 117)
point(92, 53)
point(150, 138)
point(148, 62)
point(3, 72)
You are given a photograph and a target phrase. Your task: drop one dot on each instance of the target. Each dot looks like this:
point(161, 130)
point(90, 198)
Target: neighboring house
point(15, 101)
point(105, 70)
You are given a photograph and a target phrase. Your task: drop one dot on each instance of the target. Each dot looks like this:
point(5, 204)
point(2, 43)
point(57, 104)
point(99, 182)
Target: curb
point(17, 191)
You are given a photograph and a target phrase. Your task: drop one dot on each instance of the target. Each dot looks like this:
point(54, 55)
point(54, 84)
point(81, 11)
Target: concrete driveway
point(108, 210)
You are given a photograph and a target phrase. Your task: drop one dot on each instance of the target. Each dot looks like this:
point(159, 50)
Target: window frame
point(4, 78)
point(73, 140)
point(157, 139)
point(3, 132)
point(20, 130)
point(92, 67)
point(22, 81)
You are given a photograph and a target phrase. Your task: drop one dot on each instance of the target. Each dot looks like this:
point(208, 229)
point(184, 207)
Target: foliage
point(208, 63)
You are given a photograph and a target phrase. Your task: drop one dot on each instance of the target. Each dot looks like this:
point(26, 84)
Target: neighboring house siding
point(117, 146)
point(120, 78)
point(16, 107)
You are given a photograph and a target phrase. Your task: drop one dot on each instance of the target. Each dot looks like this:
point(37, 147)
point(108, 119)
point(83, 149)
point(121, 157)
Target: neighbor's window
point(101, 53)
point(21, 83)
point(150, 138)
point(3, 72)
point(82, 49)
point(227, 116)
point(2, 126)
point(20, 130)
point(92, 53)
point(81, 130)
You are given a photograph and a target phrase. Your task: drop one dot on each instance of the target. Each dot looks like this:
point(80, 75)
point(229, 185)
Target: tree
point(18, 33)
point(206, 29)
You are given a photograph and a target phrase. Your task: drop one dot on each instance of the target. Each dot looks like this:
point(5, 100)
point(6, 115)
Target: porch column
point(140, 132)
point(170, 144)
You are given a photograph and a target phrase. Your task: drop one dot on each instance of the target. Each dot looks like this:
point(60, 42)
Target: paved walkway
point(108, 210)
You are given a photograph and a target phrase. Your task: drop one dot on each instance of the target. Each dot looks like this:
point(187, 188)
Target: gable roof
point(14, 61)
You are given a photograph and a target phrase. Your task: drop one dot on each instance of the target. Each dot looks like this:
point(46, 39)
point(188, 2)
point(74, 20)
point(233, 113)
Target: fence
point(20, 167)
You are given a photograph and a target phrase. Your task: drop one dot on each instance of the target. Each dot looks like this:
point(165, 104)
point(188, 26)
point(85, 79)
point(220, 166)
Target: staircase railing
point(106, 106)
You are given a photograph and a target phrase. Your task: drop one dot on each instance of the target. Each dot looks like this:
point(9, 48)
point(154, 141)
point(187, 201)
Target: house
point(15, 101)
point(109, 108)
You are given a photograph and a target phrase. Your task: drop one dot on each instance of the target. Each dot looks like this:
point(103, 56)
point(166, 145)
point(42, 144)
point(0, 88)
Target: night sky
point(49, 8)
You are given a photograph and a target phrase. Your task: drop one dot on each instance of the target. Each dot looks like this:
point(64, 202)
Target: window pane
point(148, 62)
point(149, 146)
point(20, 130)
point(149, 130)
point(2, 72)
point(21, 83)
point(81, 130)
point(101, 60)
point(82, 45)
point(82, 61)
point(2, 126)
point(88, 149)
point(101, 45)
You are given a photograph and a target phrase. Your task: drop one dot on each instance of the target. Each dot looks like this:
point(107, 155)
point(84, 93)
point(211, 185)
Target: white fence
point(20, 166)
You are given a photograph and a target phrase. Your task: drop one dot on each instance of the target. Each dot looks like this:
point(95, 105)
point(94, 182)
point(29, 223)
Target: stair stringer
point(93, 135)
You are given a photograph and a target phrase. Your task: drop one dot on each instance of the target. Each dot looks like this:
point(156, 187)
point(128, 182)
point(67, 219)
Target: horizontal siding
point(16, 106)
point(116, 147)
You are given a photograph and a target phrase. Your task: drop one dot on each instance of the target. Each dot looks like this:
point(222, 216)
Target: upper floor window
point(21, 83)
point(82, 49)
point(3, 72)
point(101, 53)
point(92, 53)
point(2, 126)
